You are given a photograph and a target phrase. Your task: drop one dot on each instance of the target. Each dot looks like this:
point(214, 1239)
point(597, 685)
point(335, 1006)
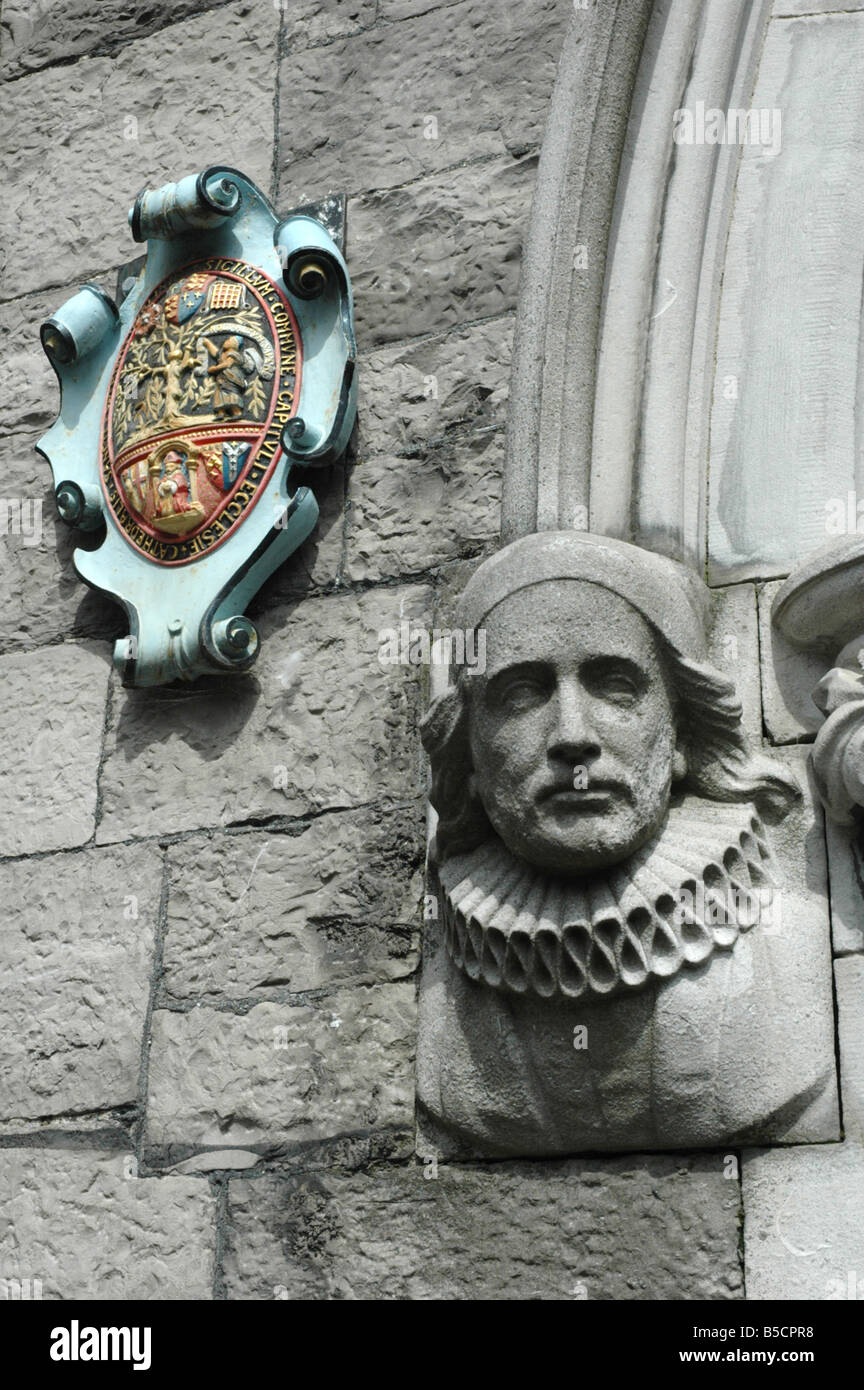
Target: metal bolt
point(70, 502)
point(239, 634)
point(236, 637)
point(308, 278)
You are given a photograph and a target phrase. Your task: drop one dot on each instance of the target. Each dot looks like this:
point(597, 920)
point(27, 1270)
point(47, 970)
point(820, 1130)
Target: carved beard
point(703, 879)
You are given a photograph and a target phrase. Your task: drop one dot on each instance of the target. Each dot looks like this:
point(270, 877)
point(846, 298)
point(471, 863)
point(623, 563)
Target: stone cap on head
point(665, 593)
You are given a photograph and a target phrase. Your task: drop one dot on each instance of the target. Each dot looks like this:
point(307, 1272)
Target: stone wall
point(213, 896)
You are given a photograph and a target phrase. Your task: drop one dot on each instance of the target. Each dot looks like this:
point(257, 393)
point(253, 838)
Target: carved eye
point(523, 695)
point(519, 691)
point(615, 681)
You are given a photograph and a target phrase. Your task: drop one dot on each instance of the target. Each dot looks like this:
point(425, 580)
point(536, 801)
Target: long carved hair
point(720, 763)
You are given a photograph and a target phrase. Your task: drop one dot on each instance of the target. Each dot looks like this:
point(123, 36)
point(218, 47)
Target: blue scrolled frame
point(189, 620)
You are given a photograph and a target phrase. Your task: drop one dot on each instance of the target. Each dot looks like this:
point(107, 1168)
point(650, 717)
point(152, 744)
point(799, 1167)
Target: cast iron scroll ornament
point(604, 872)
point(185, 411)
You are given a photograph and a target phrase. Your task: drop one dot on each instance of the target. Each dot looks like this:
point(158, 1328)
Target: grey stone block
point(317, 565)
point(733, 647)
point(440, 252)
point(846, 875)
point(146, 117)
point(804, 1223)
point(37, 35)
point(29, 393)
point(283, 741)
point(426, 487)
point(448, 590)
point(311, 21)
point(789, 677)
point(284, 1075)
point(77, 933)
point(85, 1226)
point(407, 9)
point(643, 1228)
point(337, 903)
point(421, 393)
point(849, 982)
point(400, 101)
point(41, 597)
point(51, 729)
point(407, 515)
point(790, 9)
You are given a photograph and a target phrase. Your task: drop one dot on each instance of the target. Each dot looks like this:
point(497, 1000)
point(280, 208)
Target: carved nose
point(572, 737)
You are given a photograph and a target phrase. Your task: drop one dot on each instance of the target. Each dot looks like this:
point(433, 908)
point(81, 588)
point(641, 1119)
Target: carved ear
point(441, 722)
point(679, 764)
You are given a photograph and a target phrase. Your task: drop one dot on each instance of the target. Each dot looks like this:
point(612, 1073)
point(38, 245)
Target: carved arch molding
point(611, 390)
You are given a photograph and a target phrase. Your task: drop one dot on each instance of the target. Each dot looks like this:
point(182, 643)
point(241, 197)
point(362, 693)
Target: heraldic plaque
point(185, 411)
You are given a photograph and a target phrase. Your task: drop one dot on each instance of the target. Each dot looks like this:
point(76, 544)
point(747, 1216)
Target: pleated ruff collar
point(704, 879)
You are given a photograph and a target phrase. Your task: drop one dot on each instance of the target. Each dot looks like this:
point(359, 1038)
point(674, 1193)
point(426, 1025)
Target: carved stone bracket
point(620, 879)
point(820, 609)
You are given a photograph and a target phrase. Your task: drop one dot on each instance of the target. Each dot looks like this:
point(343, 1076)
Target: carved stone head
point(572, 742)
point(595, 699)
point(612, 972)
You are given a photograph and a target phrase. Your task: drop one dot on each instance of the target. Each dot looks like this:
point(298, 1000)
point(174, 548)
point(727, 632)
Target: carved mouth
point(570, 799)
point(598, 796)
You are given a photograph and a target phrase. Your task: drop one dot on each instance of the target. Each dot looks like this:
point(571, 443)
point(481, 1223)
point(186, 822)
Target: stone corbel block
point(623, 916)
point(820, 609)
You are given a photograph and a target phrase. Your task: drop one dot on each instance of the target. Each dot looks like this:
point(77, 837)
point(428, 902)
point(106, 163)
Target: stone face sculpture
point(615, 934)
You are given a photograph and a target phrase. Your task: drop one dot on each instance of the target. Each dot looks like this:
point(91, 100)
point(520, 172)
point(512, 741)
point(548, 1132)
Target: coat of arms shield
point(186, 409)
